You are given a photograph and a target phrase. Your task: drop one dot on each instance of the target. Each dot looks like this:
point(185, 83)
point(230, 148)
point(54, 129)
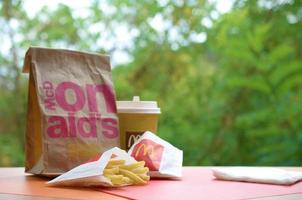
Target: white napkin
point(257, 175)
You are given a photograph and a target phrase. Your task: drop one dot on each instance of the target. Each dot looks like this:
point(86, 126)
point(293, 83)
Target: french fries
point(121, 174)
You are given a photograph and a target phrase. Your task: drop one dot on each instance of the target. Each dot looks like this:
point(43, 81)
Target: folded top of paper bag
point(257, 175)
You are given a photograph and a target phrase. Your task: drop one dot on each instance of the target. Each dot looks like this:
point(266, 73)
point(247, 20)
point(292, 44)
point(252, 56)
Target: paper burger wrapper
point(163, 159)
point(91, 173)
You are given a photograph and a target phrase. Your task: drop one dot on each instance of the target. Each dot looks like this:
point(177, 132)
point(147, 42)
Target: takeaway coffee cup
point(136, 117)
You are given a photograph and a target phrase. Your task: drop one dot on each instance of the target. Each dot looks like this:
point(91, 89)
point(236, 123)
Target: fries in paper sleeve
point(114, 168)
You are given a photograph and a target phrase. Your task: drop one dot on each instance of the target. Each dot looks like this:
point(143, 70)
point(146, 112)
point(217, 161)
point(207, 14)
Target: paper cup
point(136, 117)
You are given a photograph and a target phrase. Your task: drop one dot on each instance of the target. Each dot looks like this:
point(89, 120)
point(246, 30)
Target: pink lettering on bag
point(90, 123)
point(57, 128)
point(61, 98)
point(84, 126)
point(107, 94)
point(49, 101)
point(109, 126)
point(72, 125)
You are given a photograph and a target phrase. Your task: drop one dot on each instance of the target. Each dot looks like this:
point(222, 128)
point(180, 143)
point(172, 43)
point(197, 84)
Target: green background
point(229, 84)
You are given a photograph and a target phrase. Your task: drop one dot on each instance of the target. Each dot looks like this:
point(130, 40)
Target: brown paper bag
point(71, 109)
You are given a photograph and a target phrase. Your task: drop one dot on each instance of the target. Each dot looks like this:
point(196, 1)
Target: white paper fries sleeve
point(91, 173)
point(162, 158)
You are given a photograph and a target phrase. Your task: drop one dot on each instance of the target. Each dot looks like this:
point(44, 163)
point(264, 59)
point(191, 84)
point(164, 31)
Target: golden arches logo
point(145, 149)
point(132, 139)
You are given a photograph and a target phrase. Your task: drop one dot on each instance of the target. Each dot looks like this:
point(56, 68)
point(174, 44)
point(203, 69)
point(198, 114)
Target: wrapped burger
point(163, 159)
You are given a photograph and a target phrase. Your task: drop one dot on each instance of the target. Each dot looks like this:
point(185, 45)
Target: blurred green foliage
point(229, 84)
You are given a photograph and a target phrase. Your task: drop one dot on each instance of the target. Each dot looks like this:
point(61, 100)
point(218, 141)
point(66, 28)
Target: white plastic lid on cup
point(137, 106)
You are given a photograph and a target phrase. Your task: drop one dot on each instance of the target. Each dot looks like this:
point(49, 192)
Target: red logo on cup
point(150, 152)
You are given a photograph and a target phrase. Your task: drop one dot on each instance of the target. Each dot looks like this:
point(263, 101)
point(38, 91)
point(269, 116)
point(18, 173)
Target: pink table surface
point(199, 183)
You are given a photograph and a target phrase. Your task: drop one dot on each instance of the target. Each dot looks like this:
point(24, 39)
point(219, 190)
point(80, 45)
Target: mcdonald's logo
point(145, 150)
point(150, 152)
point(132, 139)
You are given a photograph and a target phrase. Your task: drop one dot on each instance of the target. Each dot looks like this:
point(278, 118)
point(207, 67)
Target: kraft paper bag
point(71, 109)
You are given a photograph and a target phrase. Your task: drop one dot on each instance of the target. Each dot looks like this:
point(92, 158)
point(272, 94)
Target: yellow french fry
point(113, 170)
point(127, 180)
point(120, 174)
point(113, 162)
point(133, 165)
point(114, 177)
point(140, 170)
point(136, 179)
point(118, 182)
point(144, 177)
